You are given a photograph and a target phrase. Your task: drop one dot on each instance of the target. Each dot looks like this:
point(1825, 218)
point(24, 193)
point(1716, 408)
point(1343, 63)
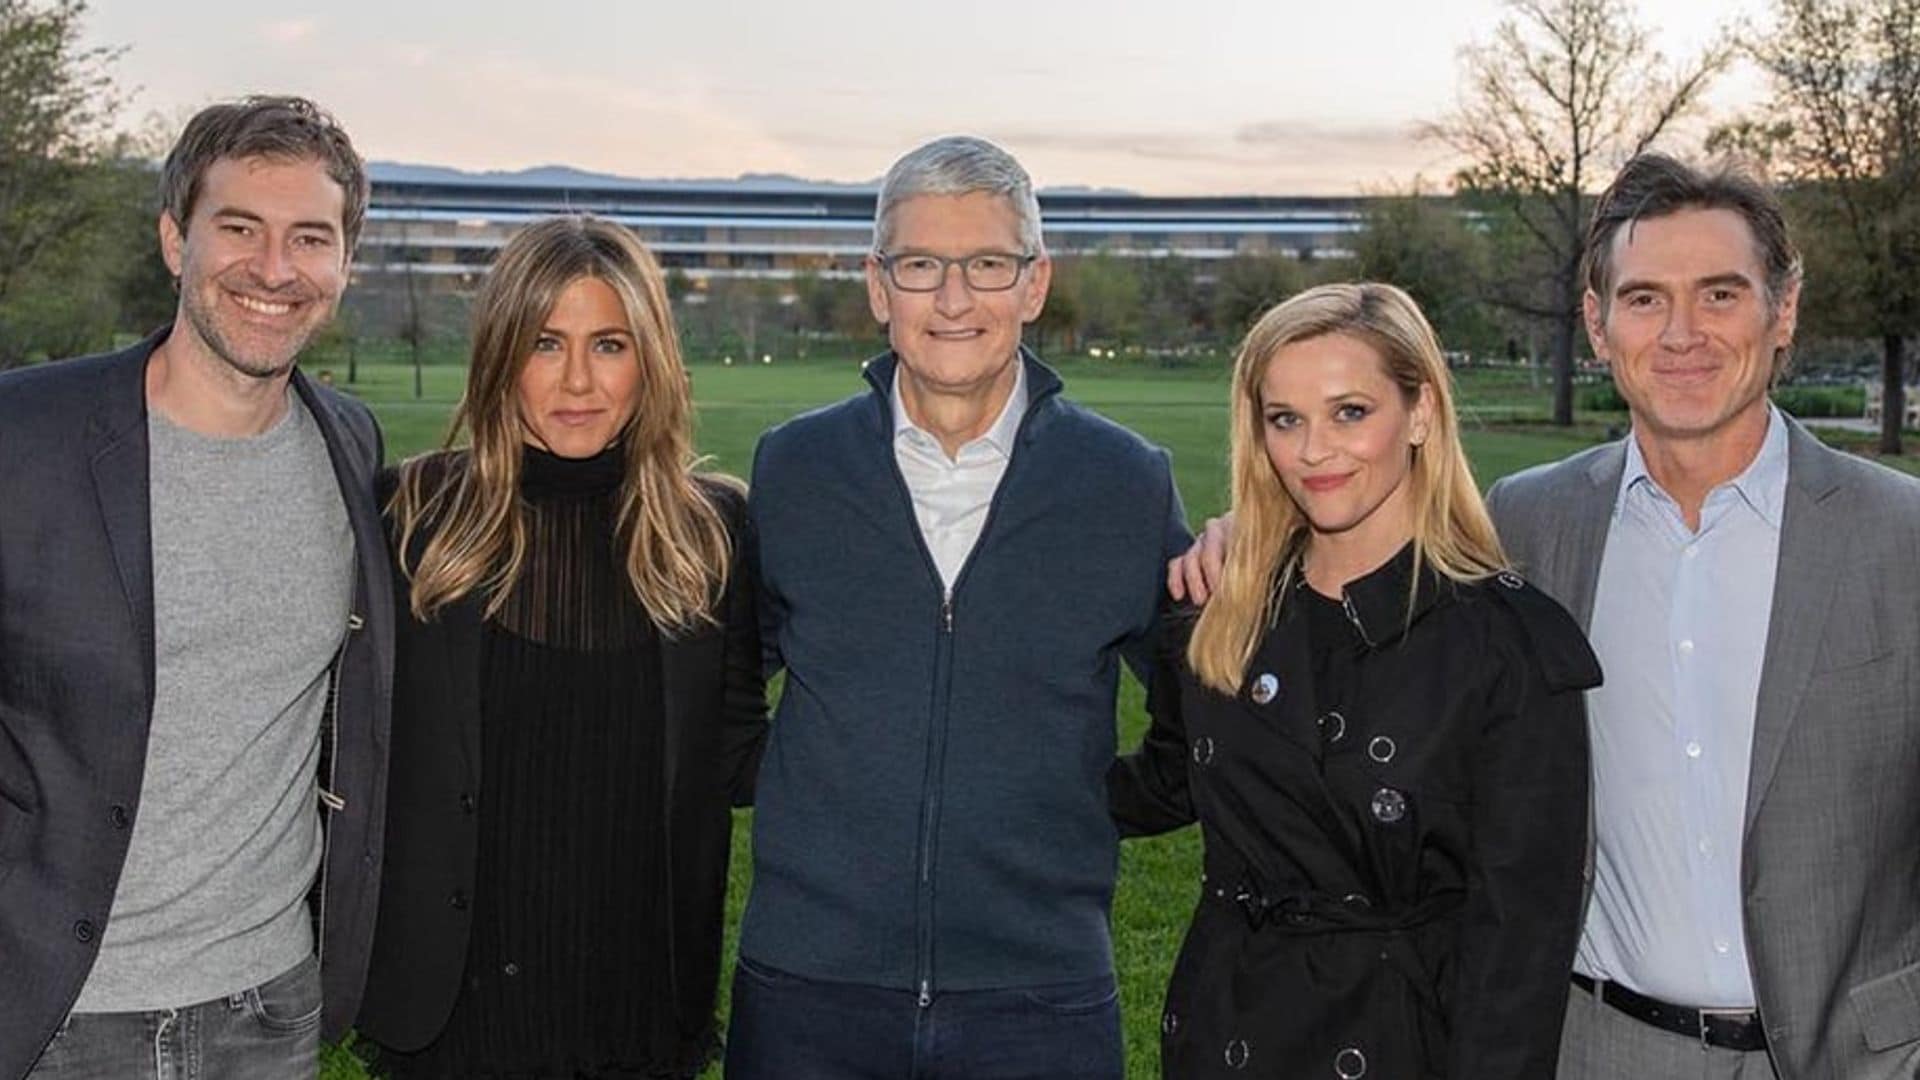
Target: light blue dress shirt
point(1680, 625)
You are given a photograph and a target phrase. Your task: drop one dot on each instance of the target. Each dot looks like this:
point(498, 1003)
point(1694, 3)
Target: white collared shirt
point(951, 496)
point(1680, 622)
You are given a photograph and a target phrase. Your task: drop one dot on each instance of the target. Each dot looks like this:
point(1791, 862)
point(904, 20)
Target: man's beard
point(275, 364)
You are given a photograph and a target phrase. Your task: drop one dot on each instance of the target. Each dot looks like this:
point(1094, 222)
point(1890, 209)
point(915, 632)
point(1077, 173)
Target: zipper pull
point(946, 613)
point(926, 992)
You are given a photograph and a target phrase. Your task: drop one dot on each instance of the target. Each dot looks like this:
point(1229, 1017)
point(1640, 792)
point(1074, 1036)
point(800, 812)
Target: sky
point(1205, 97)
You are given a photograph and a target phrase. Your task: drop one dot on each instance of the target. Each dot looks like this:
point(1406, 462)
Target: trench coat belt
point(1310, 912)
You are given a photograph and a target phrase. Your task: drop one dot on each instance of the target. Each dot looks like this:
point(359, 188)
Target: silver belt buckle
point(1743, 1015)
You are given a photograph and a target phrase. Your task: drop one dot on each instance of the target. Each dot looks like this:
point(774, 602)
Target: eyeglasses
point(988, 271)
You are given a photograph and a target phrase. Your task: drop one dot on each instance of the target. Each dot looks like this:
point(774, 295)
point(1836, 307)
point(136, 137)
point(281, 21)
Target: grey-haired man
point(955, 562)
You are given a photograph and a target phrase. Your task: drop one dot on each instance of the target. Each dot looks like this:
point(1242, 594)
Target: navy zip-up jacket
point(932, 807)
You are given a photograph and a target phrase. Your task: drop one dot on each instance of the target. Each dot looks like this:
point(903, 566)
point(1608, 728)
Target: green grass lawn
point(1184, 411)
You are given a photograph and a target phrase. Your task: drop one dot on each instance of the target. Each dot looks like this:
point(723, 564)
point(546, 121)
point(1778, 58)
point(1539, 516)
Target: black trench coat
point(1393, 862)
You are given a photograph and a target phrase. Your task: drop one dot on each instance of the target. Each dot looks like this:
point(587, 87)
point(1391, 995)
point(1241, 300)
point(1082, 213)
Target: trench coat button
point(1265, 688)
point(1238, 1054)
point(117, 814)
point(458, 901)
point(1333, 727)
point(1169, 1023)
point(1512, 581)
point(1381, 749)
point(467, 802)
point(1202, 750)
point(1350, 1064)
point(83, 931)
point(1389, 805)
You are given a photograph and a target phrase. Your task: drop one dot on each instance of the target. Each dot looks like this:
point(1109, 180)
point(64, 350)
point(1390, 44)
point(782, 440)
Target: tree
point(1250, 284)
point(1432, 249)
point(1107, 288)
point(64, 179)
point(1843, 126)
point(1564, 92)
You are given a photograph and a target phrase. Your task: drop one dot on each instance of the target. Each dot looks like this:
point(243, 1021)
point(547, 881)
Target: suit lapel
point(1803, 588)
point(1576, 561)
point(117, 451)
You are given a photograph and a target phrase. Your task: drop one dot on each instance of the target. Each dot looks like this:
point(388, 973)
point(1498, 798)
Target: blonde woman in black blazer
point(578, 692)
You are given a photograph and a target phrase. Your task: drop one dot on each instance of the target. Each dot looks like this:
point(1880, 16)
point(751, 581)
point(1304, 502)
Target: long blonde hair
point(677, 553)
point(1451, 530)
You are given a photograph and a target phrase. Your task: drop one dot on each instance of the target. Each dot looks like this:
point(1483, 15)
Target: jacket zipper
point(943, 656)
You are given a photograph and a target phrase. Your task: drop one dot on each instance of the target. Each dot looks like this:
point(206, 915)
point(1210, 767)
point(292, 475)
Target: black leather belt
point(1729, 1029)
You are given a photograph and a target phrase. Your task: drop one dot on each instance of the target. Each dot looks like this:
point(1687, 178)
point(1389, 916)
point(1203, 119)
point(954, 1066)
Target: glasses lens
point(916, 273)
point(993, 272)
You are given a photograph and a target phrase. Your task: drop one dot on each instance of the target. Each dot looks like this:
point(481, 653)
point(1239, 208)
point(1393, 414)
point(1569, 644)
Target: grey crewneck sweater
point(252, 585)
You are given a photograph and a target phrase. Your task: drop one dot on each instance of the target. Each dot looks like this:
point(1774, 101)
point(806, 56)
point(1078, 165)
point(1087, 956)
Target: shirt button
point(83, 931)
point(118, 815)
point(510, 968)
point(1693, 749)
point(1706, 846)
point(467, 801)
point(1686, 646)
point(1692, 552)
point(458, 901)
point(1720, 946)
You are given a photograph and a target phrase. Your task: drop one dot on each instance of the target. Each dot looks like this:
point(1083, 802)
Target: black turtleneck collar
point(543, 473)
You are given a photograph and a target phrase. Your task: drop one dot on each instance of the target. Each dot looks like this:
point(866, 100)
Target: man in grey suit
point(1754, 600)
point(1752, 595)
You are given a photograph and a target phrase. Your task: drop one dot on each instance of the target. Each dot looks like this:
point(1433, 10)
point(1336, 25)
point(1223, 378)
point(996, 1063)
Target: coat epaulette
point(1559, 648)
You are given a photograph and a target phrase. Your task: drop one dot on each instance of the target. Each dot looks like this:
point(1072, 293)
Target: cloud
point(289, 31)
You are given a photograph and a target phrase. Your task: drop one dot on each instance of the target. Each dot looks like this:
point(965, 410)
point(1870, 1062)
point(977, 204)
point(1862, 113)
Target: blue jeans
point(270, 1032)
point(785, 1027)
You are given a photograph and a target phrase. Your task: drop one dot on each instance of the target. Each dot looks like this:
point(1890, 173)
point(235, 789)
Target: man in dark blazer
point(195, 644)
point(1752, 595)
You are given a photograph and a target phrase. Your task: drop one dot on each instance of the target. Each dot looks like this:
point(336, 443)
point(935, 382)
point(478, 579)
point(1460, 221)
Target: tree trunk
point(1566, 323)
point(1893, 391)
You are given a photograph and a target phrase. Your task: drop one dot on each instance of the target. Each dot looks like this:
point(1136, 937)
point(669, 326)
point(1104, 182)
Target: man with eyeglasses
point(954, 564)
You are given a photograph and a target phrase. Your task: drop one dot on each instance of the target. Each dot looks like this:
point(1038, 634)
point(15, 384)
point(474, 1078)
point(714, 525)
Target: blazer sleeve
point(744, 705)
point(1525, 879)
point(1147, 790)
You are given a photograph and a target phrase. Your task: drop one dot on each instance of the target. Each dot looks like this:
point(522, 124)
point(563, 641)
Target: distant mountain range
point(568, 176)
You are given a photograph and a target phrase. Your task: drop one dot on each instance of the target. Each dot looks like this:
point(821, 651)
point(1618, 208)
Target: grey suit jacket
point(77, 676)
point(1830, 865)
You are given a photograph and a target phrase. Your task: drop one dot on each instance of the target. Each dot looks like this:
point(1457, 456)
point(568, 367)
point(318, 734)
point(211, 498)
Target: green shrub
point(1795, 400)
point(1821, 400)
point(1604, 397)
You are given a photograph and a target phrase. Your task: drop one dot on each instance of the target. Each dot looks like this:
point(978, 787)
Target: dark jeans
point(271, 1032)
point(785, 1027)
